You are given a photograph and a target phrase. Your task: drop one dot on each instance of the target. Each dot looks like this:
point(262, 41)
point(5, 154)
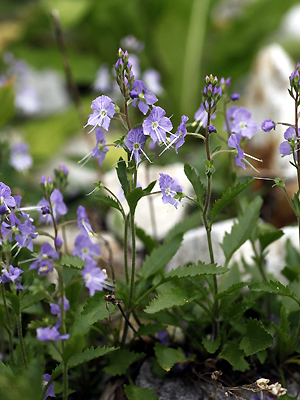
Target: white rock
point(268, 98)
point(290, 26)
point(194, 248)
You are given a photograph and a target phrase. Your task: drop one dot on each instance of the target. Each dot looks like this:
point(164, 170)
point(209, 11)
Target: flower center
point(154, 125)
point(88, 277)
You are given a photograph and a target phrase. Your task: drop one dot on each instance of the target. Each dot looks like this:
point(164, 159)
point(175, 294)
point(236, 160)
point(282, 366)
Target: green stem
point(9, 331)
point(126, 248)
point(21, 340)
point(133, 259)
point(65, 381)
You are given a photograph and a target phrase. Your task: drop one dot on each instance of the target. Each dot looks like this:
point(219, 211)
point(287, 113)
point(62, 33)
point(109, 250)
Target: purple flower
point(180, 133)
point(61, 170)
point(19, 157)
point(26, 235)
point(103, 111)
point(85, 248)
point(225, 82)
point(6, 197)
point(50, 390)
point(58, 206)
point(47, 334)
point(100, 150)
point(152, 80)
point(169, 188)
point(267, 125)
point(201, 116)
point(242, 123)
point(235, 97)
point(234, 141)
point(135, 142)
point(46, 258)
point(83, 222)
point(163, 337)
point(156, 125)
point(286, 147)
point(141, 97)
point(12, 275)
point(55, 308)
point(211, 129)
point(93, 277)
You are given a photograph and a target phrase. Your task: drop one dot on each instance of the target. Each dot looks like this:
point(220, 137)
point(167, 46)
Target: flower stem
point(23, 352)
point(9, 330)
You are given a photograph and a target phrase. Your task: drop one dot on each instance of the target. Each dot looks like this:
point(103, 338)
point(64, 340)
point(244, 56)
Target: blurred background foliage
point(183, 40)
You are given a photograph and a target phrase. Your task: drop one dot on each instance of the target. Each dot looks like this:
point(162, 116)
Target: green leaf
point(72, 262)
point(196, 269)
point(273, 287)
point(160, 256)
point(284, 343)
point(93, 311)
point(133, 197)
point(238, 309)
point(7, 98)
point(231, 289)
point(175, 298)
point(137, 393)
point(14, 301)
point(211, 347)
point(74, 345)
point(149, 329)
point(256, 338)
point(29, 299)
point(147, 240)
point(120, 360)
point(266, 238)
point(228, 196)
point(241, 231)
point(235, 356)
point(262, 356)
point(195, 180)
point(122, 175)
point(168, 357)
point(109, 201)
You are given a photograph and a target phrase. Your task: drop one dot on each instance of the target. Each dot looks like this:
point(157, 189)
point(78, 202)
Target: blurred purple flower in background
point(50, 391)
point(100, 150)
point(20, 159)
point(94, 277)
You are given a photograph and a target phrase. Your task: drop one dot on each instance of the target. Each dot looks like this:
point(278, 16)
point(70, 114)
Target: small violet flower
point(47, 334)
point(12, 275)
point(85, 248)
point(83, 222)
point(156, 125)
point(135, 142)
point(45, 261)
point(286, 147)
point(6, 197)
point(234, 141)
point(201, 116)
point(94, 277)
point(235, 97)
point(242, 123)
point(20, 159)
point(100, 149)
point(50, 390)
point(55, 308)
point(267, 125)
point(103, 111)
point(58, 206)
point(169, 188)
point(141, 97)
point(180, 133)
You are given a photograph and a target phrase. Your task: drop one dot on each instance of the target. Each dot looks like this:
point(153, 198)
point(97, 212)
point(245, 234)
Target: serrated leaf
point(241, 231)
point(197, 269)
point(235, 356)
point(160, 256)
point(93, 311)
point(272, 287)
point(149, 329)
point(175, 298)
point(120, 360)
point(72, 262)
point(195, 180)
point(284, 342)
point(266, 238)
point(231, 289)
point(109, 201)
point(168, 357)
point(228, 196)
point(256, 338)
point(238, 309)
point(262, 356)
point(133, 197)
point(137, 393)
point(211, 347)
point(147, 240)
point(122, 175)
